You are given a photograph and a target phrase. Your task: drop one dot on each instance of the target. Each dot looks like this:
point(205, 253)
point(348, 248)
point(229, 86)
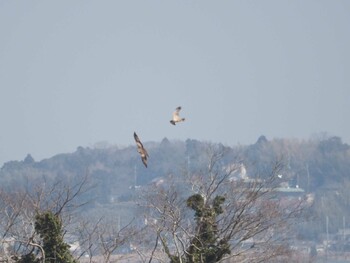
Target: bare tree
point(235, 219)
point(17, 226)
point(103, 239)
point(18, 212)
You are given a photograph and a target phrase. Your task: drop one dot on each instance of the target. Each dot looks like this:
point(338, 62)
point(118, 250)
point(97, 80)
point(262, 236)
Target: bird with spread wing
point(141, 150)
point(176, 117)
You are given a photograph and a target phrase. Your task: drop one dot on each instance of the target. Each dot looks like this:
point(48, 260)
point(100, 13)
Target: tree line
point(201, 212)
point(205, 215)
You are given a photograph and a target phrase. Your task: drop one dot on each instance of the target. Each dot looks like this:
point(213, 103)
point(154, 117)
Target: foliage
point(49, 228)
point(206, 246)
point(320, 166)
point(228, 214)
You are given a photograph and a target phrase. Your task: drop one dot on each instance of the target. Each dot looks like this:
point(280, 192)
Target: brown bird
point(176, 117)
point(141, 150)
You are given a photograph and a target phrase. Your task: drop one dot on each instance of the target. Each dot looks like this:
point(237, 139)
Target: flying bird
point(141, 150)
point(176, 117)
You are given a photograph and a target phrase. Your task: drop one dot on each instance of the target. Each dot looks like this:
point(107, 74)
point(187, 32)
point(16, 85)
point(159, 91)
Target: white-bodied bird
point(176, 118)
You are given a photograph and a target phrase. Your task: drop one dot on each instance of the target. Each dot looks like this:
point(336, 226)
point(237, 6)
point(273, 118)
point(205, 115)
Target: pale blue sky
point(73, 73)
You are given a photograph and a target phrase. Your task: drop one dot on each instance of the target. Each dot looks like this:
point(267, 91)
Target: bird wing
point(139, 144)
point(144, 160)
point(137, 140)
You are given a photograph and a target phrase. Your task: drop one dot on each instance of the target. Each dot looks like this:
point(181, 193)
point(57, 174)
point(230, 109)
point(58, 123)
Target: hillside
point(320, 167)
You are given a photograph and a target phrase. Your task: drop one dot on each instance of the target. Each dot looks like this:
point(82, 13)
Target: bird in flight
point(141, 150)
point(176, 118)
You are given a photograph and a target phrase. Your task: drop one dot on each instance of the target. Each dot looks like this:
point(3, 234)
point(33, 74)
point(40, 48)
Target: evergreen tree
point(49, 227)
point(206, 245)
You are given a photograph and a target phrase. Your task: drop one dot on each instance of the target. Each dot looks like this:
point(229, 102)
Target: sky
point(84, 73)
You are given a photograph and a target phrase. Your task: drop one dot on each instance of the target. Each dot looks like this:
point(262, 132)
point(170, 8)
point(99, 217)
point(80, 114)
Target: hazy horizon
point(78, 73)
